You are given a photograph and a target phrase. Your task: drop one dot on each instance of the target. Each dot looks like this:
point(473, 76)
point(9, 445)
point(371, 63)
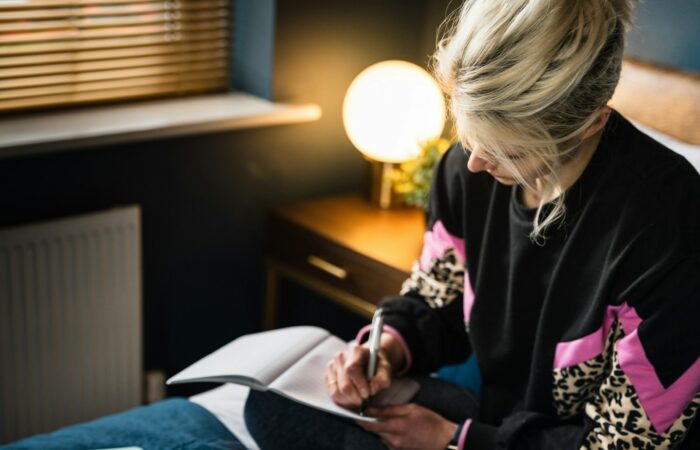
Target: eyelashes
point(493, 160)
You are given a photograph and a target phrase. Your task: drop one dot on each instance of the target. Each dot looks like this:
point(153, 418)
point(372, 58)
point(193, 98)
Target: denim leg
point(276, 422)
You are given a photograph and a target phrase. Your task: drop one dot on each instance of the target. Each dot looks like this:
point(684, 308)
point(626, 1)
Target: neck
point(568, 174)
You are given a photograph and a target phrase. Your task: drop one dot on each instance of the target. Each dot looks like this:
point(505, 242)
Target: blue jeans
point(276, 422)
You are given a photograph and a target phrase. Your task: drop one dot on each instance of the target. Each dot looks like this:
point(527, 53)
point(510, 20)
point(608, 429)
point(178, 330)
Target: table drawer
point(328, 262)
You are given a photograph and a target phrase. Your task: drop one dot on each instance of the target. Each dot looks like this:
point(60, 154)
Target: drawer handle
point(327, 267)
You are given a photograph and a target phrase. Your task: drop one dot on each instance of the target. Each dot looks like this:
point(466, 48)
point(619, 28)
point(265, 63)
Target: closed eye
point(517, 156)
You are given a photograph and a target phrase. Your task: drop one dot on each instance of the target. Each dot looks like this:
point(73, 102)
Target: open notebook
point(290, 362)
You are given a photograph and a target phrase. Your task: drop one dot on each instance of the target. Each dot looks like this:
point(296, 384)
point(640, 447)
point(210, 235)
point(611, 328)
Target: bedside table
point(343, 248)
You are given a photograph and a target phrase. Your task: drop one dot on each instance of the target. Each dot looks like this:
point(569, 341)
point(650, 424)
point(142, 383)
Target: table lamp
point(389, 110)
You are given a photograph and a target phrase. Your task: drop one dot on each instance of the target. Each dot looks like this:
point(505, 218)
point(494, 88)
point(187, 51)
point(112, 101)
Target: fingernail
point(364, 393)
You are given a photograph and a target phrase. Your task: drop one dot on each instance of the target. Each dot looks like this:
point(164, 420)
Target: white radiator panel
point(70, 321)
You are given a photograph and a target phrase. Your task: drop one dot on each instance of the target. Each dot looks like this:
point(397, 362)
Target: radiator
point(70, 321)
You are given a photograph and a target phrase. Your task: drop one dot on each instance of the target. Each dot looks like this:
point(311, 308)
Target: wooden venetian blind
point(55, 53)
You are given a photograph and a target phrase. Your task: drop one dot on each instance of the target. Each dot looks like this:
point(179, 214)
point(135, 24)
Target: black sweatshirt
point(588, 341)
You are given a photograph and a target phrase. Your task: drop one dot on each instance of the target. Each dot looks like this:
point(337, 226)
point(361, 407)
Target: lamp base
point(381, 193)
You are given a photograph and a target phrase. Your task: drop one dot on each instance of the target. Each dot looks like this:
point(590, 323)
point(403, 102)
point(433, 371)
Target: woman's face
point(577, 150)
point(529, 166)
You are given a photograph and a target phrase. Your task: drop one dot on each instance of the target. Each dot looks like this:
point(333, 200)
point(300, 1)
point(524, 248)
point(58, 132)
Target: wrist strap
point(454, 442)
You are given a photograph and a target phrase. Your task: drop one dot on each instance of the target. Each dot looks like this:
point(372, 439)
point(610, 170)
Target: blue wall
point(253, 52)
point(667, 32)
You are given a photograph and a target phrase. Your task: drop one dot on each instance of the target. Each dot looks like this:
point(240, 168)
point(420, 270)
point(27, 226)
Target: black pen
point(375, 335)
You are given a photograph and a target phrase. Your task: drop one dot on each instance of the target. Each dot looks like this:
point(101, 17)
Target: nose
point(476, 164)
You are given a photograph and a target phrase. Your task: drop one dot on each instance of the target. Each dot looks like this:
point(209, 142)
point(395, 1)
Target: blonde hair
point(529, 77)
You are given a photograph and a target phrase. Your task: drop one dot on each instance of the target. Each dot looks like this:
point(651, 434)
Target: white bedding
point(226, 403)
point(689, 151)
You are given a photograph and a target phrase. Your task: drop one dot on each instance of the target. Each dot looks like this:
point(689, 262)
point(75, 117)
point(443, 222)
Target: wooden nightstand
point(342, 248)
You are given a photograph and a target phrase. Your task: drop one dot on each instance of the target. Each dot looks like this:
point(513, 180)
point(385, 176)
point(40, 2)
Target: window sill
point(113, 124)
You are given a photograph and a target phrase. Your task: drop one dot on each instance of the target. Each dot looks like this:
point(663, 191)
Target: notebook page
point(261, 356)
point(303, 382)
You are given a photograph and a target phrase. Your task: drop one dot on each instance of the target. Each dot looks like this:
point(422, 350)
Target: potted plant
point(411, 180)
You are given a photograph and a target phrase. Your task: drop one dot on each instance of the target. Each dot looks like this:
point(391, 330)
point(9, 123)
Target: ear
point(603, 116)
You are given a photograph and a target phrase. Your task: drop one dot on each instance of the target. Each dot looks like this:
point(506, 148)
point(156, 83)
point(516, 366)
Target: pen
point(375, 335)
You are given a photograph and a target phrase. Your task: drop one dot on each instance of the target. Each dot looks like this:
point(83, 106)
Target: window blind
point(55, 53)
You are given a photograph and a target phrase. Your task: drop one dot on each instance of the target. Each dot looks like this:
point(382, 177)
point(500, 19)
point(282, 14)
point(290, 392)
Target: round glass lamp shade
point(391, 108)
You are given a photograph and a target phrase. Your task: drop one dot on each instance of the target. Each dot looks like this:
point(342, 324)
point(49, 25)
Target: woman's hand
point(346, 379)
point(410, 427)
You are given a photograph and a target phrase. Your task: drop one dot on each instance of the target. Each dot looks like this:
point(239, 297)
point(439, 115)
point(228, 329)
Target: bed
point(663, 103)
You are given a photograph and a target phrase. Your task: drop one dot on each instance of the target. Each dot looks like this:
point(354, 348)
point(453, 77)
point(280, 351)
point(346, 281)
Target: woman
point(562, 251)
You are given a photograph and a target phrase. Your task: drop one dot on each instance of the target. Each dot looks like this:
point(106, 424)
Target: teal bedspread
point(169, 424)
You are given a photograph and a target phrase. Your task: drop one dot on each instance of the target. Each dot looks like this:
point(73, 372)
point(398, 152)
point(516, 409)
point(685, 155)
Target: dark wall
point(321, 46)
point(204, 198)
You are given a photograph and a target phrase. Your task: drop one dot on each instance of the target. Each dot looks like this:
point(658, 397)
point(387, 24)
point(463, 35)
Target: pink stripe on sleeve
point(663, 405)
point(468, 297)
point(436, 241)
point(463, 434)
point(397, 335)
point(579, 350)
point(574, 352)
point(627, 316)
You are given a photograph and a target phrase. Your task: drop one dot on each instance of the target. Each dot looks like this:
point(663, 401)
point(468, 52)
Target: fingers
point(344, 378)
point(346, 384)
point(331, 379)
point(355, 369)
point(337, 385)
point(391, 419)
point(387, 426)
point(387, 412)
